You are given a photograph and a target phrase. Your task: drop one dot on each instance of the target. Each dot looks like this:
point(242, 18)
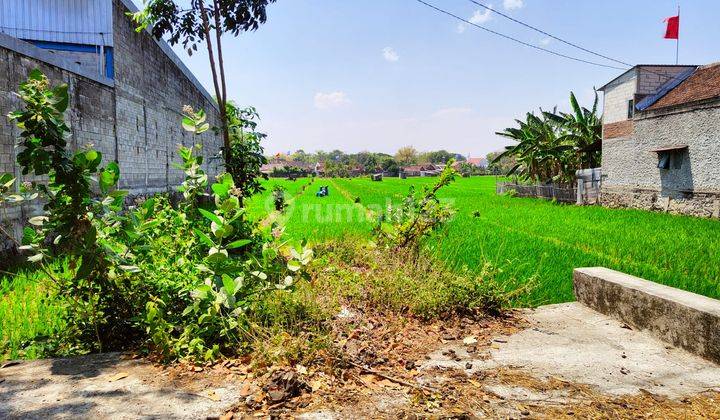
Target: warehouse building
point(126, 89)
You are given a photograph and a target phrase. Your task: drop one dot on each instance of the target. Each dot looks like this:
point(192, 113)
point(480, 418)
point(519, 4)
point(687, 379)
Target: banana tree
point(583, 130)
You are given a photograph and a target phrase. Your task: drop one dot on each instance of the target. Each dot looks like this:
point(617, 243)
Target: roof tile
point(701, 85)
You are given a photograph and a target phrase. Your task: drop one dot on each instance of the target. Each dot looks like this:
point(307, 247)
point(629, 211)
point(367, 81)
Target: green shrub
point(371, 277)
point(278, 193)
point(420, 214)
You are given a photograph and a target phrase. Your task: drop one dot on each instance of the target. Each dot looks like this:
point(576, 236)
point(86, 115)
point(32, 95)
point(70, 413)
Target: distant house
point(421, 170)
point(286, 167)
point(478, 162)
point(661, 139)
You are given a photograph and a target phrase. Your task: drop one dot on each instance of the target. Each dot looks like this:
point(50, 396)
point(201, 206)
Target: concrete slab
point(106, 386)
point(574, 343)
point(681, 318)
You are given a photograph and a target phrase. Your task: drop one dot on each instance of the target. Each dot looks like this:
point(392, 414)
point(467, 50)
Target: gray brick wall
point(134, 120)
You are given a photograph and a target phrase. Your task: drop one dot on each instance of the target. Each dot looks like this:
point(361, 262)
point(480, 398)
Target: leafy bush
point(247, 154)
point(420, 214)
point(187, 279)
point(77, 225)
point(278, 194)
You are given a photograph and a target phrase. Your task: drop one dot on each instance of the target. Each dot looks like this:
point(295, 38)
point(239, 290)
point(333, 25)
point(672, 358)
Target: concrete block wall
point(650, 78)
point(90, 117)
point(148, 118)
point(134, 120)
point(616, 97)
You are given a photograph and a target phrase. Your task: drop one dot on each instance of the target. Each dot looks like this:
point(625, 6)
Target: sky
point(377, 75)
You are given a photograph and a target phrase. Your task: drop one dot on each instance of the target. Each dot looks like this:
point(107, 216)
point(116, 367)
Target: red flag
point(673, 27)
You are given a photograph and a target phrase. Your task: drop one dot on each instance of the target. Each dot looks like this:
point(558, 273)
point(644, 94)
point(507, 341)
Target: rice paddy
point(529, 239)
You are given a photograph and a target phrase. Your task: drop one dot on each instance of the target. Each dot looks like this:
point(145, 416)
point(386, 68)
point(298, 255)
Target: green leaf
point(211, 216)
point(229, 285)
point(293, 265)
point(239, 243)
point(6, 180)
point(188, 124)
point(202, 128)
point(109, 177)
point(36, 74)
point(220, 189)
point(91, 155)
point(204, 238)
point(217, 255)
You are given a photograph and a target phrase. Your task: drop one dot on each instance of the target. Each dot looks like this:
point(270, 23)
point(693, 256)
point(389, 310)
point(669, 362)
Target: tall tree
point(406, 155)
point(552, 146)
point(201, 21)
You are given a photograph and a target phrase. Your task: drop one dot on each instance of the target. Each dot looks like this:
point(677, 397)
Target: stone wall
point(631, 177)
point(133, 120)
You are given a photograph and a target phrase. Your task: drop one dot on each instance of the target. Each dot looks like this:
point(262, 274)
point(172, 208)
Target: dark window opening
point(670, 159)
point(631, 108)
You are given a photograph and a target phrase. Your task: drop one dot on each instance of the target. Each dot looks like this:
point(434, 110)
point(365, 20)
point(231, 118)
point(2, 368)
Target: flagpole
point(677, 40)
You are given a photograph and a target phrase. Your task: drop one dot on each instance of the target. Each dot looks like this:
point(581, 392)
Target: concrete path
point(106, 386)
point(574, 343)
point(568, 342)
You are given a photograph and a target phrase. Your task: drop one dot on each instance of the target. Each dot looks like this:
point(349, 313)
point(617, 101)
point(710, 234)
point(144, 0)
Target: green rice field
point(527, 238)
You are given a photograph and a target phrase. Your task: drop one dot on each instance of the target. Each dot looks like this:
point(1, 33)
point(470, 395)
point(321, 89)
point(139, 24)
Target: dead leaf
point(198, 369)
point(475, 383)
point(246, 390)
point(227, 416)
point(301, 369)
point(389, 384)
point(118, 376)
point(316, 385)
point(470, 340)
point(213, 395)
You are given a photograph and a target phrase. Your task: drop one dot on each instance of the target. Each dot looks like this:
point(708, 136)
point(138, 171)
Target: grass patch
point(30, 317)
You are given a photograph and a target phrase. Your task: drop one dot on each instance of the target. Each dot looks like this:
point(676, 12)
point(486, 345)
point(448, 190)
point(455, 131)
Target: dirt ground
point(554, 362)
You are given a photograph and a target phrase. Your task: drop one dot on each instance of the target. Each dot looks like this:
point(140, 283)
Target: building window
point(631, 108)
point(670, 157)
point(664, 160)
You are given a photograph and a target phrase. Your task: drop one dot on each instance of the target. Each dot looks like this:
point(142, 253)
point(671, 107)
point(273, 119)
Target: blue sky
point(381, 74)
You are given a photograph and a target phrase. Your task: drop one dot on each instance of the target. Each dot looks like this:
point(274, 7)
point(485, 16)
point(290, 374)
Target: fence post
point(580, 187)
